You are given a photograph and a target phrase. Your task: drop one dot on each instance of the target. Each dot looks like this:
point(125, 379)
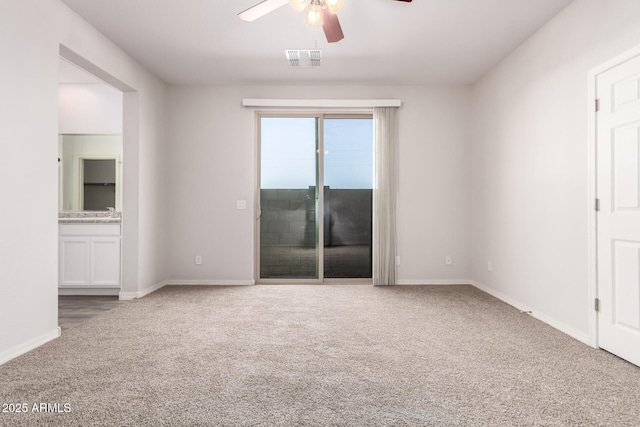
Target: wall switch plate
point(398, 260)
point(489, 266)
point(198, 259)
point(241, 204)
point(448, 260)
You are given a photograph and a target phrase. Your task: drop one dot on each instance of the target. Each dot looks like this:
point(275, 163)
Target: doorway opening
point(126, 200)
point(99, 184)
point(315, 185)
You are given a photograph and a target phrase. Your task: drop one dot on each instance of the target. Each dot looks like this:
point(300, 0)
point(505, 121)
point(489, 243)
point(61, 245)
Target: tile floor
point(74, 310)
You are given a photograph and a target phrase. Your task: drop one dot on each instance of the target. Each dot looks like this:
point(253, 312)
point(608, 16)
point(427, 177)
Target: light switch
point(241, 204)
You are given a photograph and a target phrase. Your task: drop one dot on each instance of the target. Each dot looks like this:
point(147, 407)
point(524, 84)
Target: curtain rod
point(321, 103)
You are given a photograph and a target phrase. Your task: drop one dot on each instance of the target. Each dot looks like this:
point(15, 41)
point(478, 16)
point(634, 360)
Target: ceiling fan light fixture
point(320, 13)
point(298, 5)
point(314, 13)
point(335, 6)
point(261, 9)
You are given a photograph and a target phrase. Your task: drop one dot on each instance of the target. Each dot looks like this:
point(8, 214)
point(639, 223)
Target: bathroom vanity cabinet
point(89, 255)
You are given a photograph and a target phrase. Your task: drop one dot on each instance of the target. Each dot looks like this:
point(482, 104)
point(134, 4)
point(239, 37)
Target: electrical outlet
point(398, 260)
point(198, 259)
point(489, 266)
point(448, 260)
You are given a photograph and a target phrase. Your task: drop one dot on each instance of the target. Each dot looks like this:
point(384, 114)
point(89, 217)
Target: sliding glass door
point(306, 234)
point(348, 184)
point(289, 198)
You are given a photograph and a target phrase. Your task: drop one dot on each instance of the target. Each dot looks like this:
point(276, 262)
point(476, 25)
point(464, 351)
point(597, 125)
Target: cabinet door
point(105, 261)
point(73, 263)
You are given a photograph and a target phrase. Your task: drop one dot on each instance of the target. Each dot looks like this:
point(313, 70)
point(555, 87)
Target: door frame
point(79, 162)
point(592, 179)
point(321, 114)
point(130, 227)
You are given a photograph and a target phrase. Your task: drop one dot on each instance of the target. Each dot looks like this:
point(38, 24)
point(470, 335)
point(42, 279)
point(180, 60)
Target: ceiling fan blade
point(331, 26)
point(261, 9)
point(408, 1)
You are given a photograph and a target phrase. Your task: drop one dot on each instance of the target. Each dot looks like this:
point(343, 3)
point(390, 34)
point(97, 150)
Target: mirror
point(89, 172)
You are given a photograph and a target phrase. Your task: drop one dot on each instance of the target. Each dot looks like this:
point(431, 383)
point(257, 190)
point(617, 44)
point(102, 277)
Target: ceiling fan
point(319, 12)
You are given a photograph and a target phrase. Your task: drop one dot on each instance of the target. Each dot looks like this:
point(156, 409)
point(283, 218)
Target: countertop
point(89, 217)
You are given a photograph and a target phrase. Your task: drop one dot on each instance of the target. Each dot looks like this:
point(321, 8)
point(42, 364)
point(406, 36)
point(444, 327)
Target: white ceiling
point(386, 42)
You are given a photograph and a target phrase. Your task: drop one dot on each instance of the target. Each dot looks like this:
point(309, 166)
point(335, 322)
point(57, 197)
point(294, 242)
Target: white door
point(618, 220)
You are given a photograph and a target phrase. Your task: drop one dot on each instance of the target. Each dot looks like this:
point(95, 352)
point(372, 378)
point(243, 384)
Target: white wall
point(212, 152)
point(529, 161)
point(89, 109)
point(31, 32)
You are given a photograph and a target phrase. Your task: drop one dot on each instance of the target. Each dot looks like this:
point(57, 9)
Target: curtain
point(384, 195)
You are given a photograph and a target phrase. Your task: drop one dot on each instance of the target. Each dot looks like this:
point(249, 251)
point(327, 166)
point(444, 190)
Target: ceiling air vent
point(303, 58)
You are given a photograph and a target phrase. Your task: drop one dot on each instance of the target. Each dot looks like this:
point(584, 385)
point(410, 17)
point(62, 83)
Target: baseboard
point(126, 296)
point(21, 349)
point(176, 282)
point(89, 291)
point(428, 282)
point(580, 336)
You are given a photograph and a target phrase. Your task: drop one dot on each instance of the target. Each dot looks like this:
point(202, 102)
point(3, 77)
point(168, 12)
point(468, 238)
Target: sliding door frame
point(320, 117)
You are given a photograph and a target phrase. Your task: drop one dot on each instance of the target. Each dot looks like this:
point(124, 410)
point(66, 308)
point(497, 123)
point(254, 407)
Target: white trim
point(126, 296)
point(320, 103)
point(615, 61)
point(430, 282)
point(592, 248)
point(25, 347)
point(592, 245)
point(210, 282)
point(580, 336)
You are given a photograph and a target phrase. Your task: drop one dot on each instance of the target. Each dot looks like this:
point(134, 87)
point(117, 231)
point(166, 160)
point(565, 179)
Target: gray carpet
point(320, 355)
